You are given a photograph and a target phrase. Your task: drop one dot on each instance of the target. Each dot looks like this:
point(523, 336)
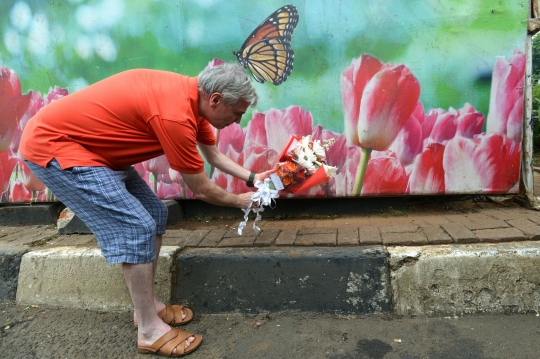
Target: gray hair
point(231, 81)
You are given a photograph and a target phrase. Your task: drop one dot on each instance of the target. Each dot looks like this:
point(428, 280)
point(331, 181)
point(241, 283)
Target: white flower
point(308, 165)
point(304, 142)
point(331, 171)
point(318, 149)
point(310, 155)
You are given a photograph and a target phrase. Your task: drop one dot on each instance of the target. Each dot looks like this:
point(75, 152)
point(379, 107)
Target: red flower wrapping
point(292, 175)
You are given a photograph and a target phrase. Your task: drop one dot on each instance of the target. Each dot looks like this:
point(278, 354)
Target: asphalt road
point(36, 332)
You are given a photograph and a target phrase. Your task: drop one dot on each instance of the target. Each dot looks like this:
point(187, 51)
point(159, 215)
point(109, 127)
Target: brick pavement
point(463, 222)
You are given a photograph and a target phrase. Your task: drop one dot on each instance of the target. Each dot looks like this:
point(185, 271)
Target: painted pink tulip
point(256, 130)
point(488, 163)
point(30, 180)
point(221, 180)
point(408, 142)
point(8, 161)
point(445, 126)
point(385, 175)
point(36, 103)
point(232, 136)
point(470, 122)
point(165, 177)
point(54, 94)
point(13, 105)
point(346, 176)
point(214, 63)
point(336, 155)
point(386, 97)
point(388, 101)
point(175, 176)
point(353, 82)
point(506, 104)
point(266, 136)
point(168, 190)
point(427, 175)
point(281, 124)
point(157, 165)
point(429, 122)
point(19, 193)
point(139, 167)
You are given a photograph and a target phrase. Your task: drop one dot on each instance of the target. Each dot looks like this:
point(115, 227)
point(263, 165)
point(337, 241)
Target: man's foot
point(173, 343)
point(172, 314)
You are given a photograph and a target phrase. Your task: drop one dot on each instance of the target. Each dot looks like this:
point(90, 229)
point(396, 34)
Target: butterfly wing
point(269, 60)
point(267, 52)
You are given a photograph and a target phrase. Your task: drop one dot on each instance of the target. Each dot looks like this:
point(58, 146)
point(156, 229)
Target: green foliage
point(536, 113)
point(536, 92)
point(535, 60)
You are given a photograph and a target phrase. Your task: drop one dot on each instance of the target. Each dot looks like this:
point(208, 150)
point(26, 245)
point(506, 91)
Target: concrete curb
point(466, 279)
point(432, 280)
point(319, 279)
point(80, 278)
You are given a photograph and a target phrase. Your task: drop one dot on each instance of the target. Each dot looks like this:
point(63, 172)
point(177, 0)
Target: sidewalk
point(445, 258)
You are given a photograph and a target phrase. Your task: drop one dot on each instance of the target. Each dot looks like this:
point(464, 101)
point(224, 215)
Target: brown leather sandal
point(172, 315)
point(172, 340)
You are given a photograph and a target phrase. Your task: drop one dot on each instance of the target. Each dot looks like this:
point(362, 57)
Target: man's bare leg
point(139, 279)
point(159, 305)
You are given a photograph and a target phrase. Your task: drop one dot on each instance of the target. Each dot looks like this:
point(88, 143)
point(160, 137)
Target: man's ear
point(215, 99)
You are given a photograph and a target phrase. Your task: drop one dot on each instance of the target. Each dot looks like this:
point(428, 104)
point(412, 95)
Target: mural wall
point(421, 96)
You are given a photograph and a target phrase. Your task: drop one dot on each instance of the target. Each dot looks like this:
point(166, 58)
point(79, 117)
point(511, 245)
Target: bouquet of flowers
point(301, 165)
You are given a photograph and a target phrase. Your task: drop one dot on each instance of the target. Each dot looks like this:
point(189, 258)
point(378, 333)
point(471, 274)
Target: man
point(83, 147)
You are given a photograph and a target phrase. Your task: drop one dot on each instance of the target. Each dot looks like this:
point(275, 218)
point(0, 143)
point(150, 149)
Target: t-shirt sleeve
point(206, 133)
point(179, 142)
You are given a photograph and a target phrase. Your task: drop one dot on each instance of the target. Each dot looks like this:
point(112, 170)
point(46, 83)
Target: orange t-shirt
point(124, 119)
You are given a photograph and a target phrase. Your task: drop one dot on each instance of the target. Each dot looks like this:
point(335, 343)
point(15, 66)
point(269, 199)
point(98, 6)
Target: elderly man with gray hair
point(83, 147)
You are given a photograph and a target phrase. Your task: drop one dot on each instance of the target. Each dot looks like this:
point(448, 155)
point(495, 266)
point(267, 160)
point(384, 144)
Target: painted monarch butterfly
point(267, 52)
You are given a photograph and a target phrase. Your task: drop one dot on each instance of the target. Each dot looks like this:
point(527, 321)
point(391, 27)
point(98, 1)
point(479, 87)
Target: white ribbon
point(263, 197)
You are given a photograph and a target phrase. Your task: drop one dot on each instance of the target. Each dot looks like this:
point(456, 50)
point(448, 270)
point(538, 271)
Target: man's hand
point(261, 176)
point(245, 199)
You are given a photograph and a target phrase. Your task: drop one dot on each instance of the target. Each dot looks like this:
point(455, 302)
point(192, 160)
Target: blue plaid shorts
point(117, 206)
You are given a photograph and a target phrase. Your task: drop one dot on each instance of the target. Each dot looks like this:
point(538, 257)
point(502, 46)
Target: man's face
point(222, 115)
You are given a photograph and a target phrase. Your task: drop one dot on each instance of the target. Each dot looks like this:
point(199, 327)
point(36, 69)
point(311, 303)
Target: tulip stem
point(362, 167)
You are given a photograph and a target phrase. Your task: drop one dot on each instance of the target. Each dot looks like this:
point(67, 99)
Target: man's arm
point(217, 159)
point(207, 191)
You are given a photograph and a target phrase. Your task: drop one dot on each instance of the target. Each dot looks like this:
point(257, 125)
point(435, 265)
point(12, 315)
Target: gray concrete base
point(348, 279)
point(475, 278)
point(176, 212)
point(70, 223)
point(30, 214)
point(80, 278)
point(10, 261)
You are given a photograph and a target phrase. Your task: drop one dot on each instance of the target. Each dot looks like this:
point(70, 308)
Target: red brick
point(286, 237)
point(459, 233)
point(267, 237)
point(239, 241)
point(399, 229)
point(347, 235)
point(317, 230)
point(320, 239)
point(213, 238)
point(404, 239)
point(531, 229)
point(195, 238)
point(435, 234)
point(500, 235)
point(480, 221)
point(369, 235)
point(175, 237)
